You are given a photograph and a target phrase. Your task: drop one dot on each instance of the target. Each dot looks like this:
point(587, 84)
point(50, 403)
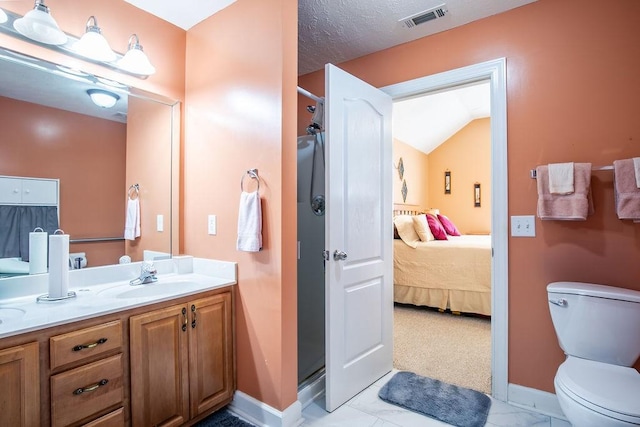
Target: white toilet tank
point(596, 322)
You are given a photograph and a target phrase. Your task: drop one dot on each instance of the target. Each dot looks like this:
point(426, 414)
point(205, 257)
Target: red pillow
point(436, 228)
point(448, 226)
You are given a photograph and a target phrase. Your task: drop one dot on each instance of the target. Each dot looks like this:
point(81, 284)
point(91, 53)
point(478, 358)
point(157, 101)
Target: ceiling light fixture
point(135, 61)
point(103, 98)
point(3, 17)
point(39, 25)
point(92, 44)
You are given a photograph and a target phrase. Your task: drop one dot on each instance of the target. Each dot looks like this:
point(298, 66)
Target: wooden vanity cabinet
point(83, 388)
point(182, 362)
point(20, 379)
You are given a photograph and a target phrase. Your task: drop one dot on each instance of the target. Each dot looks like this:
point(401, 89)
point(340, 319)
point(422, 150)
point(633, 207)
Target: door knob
point(339, 255)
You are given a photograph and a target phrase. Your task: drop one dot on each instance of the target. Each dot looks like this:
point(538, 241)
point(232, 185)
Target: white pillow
point(421, 226)
point(406, 231)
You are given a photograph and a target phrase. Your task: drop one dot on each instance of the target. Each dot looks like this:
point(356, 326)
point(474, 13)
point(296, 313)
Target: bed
point(450, 274)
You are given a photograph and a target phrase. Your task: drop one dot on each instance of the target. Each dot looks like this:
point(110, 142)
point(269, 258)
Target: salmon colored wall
point(241, 114)
point(572, 95)
point(148, 154)
point(416, 170)
point(87, 155)
point(467, 155)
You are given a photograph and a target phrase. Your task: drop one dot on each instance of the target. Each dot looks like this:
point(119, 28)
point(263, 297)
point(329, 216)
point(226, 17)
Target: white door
point(359, 280)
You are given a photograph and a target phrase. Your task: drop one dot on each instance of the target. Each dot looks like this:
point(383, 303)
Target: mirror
point(50, 128)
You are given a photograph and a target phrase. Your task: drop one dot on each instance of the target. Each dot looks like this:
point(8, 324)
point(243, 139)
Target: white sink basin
point(155, 289)
point(10, 314)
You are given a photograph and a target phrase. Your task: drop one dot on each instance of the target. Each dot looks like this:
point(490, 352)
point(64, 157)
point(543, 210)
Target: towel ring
point(252, 173)
point(134, 190)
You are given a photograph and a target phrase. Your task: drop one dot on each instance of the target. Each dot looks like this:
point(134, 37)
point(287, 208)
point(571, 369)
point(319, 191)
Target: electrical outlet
point(211, 225)
point(523, 226)
point(160, 223)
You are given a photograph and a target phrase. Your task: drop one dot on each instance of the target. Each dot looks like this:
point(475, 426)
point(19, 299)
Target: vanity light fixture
point(3, 17)
point(103, 98)
point(93, 45)
point(39, 25)
point(135, 60)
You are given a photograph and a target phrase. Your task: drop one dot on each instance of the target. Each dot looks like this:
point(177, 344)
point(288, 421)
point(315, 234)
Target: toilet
point(598, 328)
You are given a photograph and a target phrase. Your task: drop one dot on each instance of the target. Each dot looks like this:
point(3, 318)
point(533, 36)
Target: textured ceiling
point(334, 31)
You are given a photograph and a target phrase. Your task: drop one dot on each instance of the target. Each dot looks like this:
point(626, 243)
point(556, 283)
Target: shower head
point(311, 109)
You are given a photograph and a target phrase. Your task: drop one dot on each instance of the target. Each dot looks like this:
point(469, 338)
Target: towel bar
point(253, 173)
point(134, 190)
point(533, 175)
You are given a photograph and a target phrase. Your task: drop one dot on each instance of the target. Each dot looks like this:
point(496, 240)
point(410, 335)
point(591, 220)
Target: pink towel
point(565, 207)
point(627, 194)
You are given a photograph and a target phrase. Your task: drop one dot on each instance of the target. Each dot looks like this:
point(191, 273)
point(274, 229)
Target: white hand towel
point(132, 220)
point(249, 222)
point(561, 178)
point(636, 166)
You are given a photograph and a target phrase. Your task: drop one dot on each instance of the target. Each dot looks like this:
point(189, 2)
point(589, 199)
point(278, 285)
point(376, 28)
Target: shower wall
point(311, 303)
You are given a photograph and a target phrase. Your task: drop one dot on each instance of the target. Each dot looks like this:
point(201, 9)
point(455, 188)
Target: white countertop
point(105, 290)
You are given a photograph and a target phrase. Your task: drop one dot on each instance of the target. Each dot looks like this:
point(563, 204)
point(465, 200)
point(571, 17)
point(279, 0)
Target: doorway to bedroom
point(442, 254)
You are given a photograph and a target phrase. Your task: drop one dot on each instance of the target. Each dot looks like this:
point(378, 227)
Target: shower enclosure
point(311, 235)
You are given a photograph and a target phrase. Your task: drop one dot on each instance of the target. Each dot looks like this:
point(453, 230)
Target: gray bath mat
point(451, 404)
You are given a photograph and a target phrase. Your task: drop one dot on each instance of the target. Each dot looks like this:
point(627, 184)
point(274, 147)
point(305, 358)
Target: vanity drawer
point(112, 419)
point(87, 390)
point(81, 344)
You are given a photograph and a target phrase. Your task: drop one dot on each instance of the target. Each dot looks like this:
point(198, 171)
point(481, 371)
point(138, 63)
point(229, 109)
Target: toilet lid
point(609, 389)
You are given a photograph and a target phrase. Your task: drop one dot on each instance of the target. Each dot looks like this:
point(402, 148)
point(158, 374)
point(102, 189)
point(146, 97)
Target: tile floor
point(368, 410)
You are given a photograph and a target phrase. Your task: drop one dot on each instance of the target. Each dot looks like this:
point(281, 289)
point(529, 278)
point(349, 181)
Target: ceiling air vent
point(424, 16)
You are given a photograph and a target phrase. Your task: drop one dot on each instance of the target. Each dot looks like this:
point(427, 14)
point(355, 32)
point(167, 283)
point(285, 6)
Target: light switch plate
point(160, 223)
point(523, 226)
point(212, 227)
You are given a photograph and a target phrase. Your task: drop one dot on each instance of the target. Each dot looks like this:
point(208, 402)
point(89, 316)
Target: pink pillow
point(448, 226)
point(436, 228)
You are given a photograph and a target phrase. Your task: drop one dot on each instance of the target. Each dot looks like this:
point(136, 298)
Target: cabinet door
point(211, 367)
point(159, 367)
point(40, 192)
point(20, 379)
point(10, 190)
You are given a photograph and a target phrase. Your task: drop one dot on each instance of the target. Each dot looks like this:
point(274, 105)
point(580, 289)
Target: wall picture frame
point(447, 182)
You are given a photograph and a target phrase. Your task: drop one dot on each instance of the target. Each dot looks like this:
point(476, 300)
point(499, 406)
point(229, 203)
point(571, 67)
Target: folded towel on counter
point(626, 191)
point(565, 207)
point(636, 167)
point(561, 178)
point(132, 220)
point(249, 222)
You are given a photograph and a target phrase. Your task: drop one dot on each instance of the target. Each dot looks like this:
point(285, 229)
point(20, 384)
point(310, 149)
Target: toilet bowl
point(595, 394)
point(598, 328)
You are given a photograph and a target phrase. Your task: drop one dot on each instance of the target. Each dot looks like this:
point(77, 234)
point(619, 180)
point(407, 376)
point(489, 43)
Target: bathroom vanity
point(116, 355)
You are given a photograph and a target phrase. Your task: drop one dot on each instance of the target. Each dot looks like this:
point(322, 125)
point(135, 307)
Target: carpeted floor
point(447, 347)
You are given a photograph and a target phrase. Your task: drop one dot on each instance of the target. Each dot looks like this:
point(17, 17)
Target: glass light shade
point(93, 45)
point(40, 26)
point(3, 17)
point(103, 98)
point(135, 60)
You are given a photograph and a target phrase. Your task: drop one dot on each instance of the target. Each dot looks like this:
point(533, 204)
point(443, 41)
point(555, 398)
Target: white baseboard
point(263, 415)
point(535, 400)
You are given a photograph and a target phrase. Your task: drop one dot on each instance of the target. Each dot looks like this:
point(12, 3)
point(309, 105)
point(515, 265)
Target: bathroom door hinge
point(325, 255)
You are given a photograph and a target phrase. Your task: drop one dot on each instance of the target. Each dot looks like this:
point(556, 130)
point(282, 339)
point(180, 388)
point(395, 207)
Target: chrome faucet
point(147, 274)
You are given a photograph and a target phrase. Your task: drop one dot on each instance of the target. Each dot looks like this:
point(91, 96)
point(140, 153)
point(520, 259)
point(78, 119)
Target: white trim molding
point(263, 415)
point(535, 400)
point(495, 72)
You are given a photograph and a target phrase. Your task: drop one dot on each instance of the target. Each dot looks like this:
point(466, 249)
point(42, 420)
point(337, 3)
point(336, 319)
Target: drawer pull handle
point(193, 310)
point(88, 388)
point(185, 319)
point(95, 344)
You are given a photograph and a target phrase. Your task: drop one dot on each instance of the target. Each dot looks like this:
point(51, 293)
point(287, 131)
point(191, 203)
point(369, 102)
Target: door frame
point(495, 72)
